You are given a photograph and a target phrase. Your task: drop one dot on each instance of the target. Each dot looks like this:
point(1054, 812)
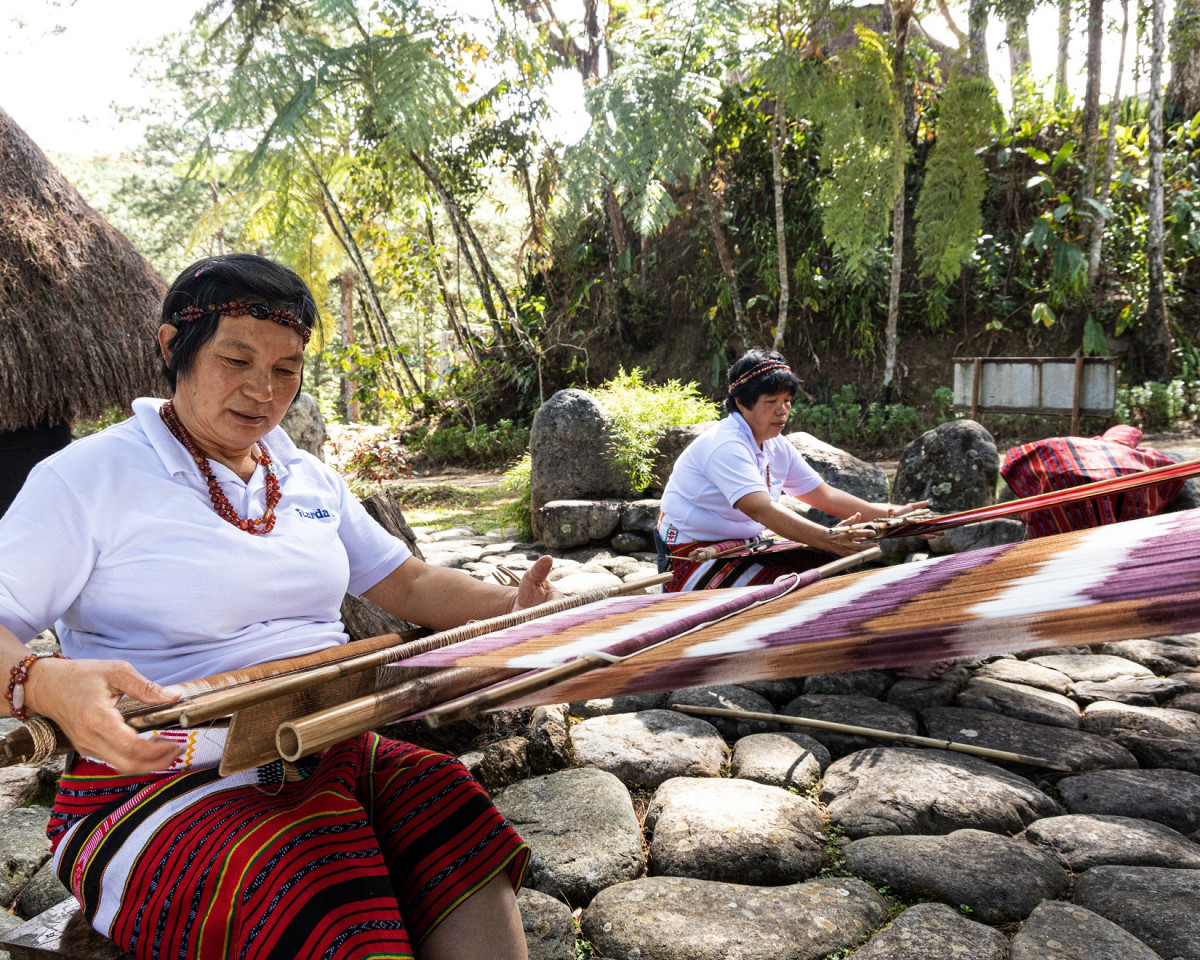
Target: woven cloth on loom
point(742, 569)
point(1059, 463)
point(1129, 580)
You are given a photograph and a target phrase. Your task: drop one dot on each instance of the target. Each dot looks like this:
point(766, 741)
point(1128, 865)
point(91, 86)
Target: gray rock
point(1166, 655)
point(44, 891)
point(840, 470)
point(852, 711)
point(895, 791)
point(735, 831)
point(669, 918)
point(1095, 667)
point(1120, 719)
point(549, 746)
point(1019, 701)
point(728, 697)
point(1067, 931)
point(504, 762)
point(955, 466)
point(915, 695)
point(1136, 691)
point(1174, 753)
point(581, 829)
point(1166, 796)
point(1191, 678)
point(933, 931)
point(667, 448)
point(1083, 841)
point(582, 582)
point(23, 849)
point(640, 516)
point(1026, 672)
point(979, 536)
point(999, 878)
point(17, 784)
point(981, 728)
point(1156, 905)
point(572, 523)
point(606, 706)
point(570, 449)
point(549, 926)
point(648, 748)
point(789, 760)
point(626, 542)
point(305, 426)
point(1186, 701)
point(862, 683)
point(8, 923)
point(779, 691)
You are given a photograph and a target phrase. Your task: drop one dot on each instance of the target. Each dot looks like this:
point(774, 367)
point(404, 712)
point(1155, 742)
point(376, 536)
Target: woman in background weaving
point(724, 490)
point(194, 538)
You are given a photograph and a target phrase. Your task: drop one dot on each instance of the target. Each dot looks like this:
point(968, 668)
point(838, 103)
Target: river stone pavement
point(661, 836)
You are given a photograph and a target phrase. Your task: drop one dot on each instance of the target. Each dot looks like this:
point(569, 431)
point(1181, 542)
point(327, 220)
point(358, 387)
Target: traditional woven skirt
point(360, 852)
point(734, 571)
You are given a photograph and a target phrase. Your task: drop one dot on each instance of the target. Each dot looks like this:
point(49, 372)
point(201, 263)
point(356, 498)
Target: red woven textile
point(1062, 462)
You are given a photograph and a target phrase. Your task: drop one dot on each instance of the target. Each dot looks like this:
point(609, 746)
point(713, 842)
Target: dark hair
point(235, 276)
point(771, 381)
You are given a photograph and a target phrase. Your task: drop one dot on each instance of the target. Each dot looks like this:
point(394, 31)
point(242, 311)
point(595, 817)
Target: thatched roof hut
point(78, 304)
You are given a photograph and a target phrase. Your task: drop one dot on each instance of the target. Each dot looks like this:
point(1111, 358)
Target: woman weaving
point(724, 489)
point(195, 538)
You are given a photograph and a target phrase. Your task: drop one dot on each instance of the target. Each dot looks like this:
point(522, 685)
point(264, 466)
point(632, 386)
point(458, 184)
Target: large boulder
point(841, 470)
point(955, 466)
point(570, 449)
point(667, 448)
point(305, 426)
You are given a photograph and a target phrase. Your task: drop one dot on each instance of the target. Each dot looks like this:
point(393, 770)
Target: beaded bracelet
point(15, 694)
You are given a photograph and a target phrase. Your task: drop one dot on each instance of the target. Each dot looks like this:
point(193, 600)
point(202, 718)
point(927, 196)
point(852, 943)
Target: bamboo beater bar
point(908, 738)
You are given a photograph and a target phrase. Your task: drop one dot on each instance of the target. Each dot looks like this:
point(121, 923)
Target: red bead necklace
point(220, 502)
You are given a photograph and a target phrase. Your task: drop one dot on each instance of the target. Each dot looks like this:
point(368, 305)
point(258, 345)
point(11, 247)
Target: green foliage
point(641, 411)
point(949, 213)
point(518, 479)
point(372, 461)
point(479, 445)
point(845, 422)
point(1154, 406)
point(84, 428)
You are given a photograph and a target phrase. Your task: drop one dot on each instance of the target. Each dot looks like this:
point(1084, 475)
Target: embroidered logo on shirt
point(319, 514)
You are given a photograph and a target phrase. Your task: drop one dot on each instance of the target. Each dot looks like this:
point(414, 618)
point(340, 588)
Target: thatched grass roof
point(78, 304)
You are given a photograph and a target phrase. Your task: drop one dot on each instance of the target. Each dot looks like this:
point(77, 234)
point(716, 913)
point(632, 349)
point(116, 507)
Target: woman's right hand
point(81, 697)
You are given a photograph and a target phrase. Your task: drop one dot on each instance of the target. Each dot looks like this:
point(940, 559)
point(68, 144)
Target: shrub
point(641, 411)
point(479, 444)
point(518, 479)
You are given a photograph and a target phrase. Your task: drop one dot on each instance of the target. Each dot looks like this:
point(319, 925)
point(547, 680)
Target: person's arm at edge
point(442, 597)
point(81, 696)
point(845, 505)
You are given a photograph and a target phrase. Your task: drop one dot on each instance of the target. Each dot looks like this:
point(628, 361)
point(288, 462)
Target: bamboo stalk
point(908, 738)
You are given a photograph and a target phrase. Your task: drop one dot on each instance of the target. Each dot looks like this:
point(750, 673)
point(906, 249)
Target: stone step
point(60, 933)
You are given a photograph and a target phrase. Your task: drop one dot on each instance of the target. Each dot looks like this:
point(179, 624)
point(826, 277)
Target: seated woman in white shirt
point(725, 489)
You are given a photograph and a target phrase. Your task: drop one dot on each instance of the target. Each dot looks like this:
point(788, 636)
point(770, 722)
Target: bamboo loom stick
point(908, 738)
point(929, 523)
point(541, 679)
point(700, 554)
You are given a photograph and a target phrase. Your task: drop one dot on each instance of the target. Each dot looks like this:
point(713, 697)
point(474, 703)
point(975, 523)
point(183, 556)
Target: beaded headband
point(235, 308)
point(757, 371)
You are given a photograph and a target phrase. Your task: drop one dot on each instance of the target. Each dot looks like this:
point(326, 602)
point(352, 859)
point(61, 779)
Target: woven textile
point(739, 571)
point(358, 853)
point(1059, 463)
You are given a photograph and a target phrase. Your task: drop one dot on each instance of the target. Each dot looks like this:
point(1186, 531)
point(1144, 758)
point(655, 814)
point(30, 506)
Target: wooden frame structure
point(1058, 386)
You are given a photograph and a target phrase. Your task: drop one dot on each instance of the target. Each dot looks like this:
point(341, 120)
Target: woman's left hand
point(903, 510)
point(534, 587)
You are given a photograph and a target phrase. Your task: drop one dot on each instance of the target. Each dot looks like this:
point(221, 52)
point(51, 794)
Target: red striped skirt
point(360, 852)
point(746, 571)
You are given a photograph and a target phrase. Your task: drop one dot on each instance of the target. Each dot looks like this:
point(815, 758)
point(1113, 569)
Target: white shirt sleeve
point(800, 478)
point(49, 548)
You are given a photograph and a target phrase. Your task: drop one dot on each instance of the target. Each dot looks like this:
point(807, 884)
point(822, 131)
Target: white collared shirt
point(720, 467)
point(115, 541)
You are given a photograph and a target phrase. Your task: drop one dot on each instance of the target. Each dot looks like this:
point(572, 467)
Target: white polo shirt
point(720, 467)
point(115, 541)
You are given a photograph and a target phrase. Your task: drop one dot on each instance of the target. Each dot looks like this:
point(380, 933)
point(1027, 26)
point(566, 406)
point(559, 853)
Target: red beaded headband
point(235, 308)
point(757, 371)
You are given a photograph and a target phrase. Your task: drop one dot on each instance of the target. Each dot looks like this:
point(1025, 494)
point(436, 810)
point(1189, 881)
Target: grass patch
point(443, 505)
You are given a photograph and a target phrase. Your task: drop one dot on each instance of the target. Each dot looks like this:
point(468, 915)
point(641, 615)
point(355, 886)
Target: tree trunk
point(901, 16)
point(711, 206)
point(777, 132)
point(1110, 155)
point(1016, 36)
point(1064, 52)
point(977, 21)
point(462, 332)
point(1183, 91)
point(349, 385)
point(1091, 97)
point(1154, 340)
